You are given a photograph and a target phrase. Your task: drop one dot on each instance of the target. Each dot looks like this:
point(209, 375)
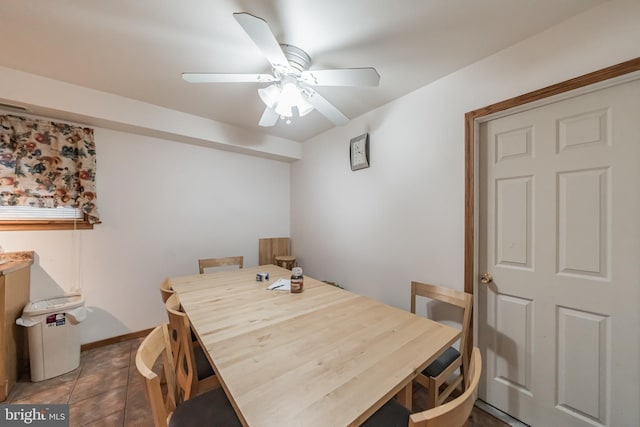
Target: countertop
point(12, 261)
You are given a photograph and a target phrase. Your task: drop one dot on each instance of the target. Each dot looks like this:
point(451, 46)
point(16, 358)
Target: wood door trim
point(470, 137)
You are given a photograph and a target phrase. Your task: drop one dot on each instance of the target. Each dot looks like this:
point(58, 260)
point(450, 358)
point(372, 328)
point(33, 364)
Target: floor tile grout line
point(75, 382)
point(123, 411)
point(126, 396)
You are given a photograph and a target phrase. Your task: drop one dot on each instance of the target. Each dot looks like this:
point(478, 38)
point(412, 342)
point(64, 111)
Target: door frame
point(578, 85)
point(609, 76)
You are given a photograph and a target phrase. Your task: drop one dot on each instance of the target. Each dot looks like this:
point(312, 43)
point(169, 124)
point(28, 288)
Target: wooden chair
point(194, 373)
point(285, 261)
point(269, 248)
point(440, 373)
point(165, 290)
point(454, 413)
point(210, 408)
point(219, 262)
point(165, 293)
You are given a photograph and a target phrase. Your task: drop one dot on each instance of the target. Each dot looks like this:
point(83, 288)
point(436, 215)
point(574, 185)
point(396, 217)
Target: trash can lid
point(53, 305)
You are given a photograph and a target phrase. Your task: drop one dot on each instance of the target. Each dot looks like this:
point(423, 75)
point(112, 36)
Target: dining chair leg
point(432, 394)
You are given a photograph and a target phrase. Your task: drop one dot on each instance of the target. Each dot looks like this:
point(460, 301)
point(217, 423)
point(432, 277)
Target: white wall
point(64, 101)
point(375, 230)
point(371, 231)
point(163, 205)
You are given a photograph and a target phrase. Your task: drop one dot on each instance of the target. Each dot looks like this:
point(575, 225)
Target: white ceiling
point(138, 48)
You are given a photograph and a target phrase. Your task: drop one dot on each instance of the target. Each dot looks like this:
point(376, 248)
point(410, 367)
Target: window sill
point(33, 225)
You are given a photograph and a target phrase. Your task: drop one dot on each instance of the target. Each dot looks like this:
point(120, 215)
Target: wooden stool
point(285, 261)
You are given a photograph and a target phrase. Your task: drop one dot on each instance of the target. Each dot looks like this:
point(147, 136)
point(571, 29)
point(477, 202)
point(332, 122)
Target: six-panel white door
point(559, 326)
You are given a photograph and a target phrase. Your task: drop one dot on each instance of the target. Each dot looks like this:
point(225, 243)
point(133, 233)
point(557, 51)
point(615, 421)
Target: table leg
point(405, 396)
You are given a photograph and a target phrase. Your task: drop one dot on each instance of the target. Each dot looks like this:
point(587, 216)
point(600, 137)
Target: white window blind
point(9, 213)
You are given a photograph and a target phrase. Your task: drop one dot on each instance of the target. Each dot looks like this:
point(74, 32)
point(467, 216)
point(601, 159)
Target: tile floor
point(106, 391)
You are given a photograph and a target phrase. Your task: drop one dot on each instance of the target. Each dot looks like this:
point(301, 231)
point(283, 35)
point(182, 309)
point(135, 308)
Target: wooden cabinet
point(14, 295)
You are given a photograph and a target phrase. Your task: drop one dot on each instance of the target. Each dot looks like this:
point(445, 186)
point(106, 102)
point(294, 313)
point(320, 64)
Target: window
point(47, 175)
point(33, 218)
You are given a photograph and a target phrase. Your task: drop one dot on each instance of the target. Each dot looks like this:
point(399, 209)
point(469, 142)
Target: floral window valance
point(47, 164)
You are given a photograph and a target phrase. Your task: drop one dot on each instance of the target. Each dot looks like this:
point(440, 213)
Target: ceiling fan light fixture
point(290, 94)
point(269, 95)
point(304, 107)
point(283, 109)
point(290, 97)
point(283, 97)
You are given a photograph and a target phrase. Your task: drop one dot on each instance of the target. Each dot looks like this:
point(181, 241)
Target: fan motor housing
point(298, 58)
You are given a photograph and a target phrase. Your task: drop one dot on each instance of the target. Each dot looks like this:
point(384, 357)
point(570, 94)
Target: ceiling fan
point(291, 79)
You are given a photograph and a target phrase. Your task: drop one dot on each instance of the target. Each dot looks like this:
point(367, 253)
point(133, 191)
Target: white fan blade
point(227, 78)
point(269, 118)
point(259, 31)
point(325, 108)
point(342, 77)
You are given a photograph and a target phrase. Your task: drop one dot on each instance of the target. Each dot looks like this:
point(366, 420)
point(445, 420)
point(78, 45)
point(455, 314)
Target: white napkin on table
point(280, 285)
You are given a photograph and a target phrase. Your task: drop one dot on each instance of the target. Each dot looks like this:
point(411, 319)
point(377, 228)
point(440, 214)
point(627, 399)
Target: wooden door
point(559, 216)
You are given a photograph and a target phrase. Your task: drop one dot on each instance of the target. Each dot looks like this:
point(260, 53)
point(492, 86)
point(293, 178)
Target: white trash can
point(54, 335)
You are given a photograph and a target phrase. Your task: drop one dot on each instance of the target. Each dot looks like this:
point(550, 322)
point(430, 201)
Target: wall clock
point(359, 152)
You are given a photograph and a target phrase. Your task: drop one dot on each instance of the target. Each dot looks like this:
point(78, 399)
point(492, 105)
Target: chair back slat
point(205, 263)
point(182, 346)
point(155, 346)
point(454, 297)
point(165, 290)
point(442, 385)
point(269, 248)
point(456, 412)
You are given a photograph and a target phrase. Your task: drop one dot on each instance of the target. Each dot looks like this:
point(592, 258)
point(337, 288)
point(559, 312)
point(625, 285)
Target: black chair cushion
point(441, 363)
point(208, 409)
point(203, 367)
point(392, 414)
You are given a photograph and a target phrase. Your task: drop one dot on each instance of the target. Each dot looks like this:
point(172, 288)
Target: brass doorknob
point(486, 278)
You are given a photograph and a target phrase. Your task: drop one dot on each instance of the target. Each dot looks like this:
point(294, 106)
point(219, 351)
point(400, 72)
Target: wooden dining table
point(325, 357)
